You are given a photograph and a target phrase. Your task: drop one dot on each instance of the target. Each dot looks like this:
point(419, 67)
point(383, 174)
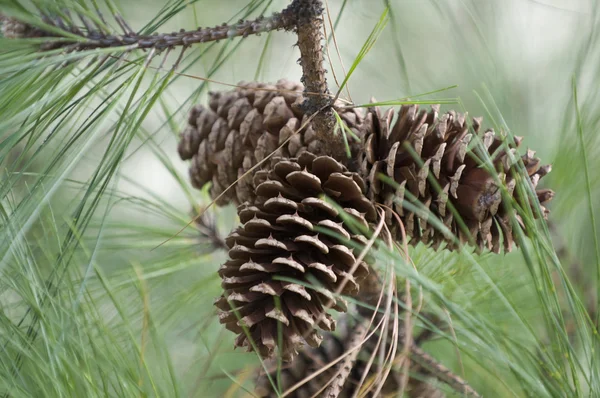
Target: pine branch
point(303, 16)
point(93, 37)
point(309, 29)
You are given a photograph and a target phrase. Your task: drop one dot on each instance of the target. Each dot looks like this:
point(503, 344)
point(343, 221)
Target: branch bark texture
point(93, 36)
point(309, 14)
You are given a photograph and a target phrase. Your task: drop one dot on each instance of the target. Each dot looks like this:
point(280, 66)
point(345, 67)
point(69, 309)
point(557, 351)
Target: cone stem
point(310, 37)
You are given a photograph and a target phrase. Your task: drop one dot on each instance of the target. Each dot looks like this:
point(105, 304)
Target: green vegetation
point(103, 292)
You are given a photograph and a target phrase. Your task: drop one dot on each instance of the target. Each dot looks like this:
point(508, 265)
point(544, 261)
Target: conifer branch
point(93, 36)
point(309, 29)
point(303, 16)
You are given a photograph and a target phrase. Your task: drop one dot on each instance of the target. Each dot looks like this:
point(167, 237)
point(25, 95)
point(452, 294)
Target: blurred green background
point(147, 313)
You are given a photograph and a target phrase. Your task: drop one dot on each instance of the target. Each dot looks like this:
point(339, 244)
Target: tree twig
point(92, 38)
point(303, 16)
point(310, 36)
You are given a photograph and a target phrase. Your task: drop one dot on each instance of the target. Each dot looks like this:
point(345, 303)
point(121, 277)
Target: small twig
point(149, 58)
point(85, 22)
point(124, 25)
point(179, 58)
point(94, 39)
point(164, 59)
point(442, 373)
point(71, 23)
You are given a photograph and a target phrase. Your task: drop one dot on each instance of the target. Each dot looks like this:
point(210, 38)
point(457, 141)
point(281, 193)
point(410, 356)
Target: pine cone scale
point(420, 145)
point(242, 127)
point(279, 239)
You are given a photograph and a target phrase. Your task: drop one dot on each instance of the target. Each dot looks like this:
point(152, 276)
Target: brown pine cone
point(280, 242)
point(441, 145)
point(311, 360)
point(241, 127)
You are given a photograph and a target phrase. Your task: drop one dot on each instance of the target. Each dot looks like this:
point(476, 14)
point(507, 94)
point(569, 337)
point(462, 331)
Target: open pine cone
point(439, 146)
point(309, 361)
point(281, 268)
point(312, 360)
point(241, 127)
point(439, 173)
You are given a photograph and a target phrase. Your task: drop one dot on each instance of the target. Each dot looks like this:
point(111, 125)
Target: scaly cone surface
point(312, 360)
point(241, 127)
point(433, 162)
point(283, 268)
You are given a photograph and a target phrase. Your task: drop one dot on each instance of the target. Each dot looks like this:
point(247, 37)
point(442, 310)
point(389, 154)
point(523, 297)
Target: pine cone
point(443, 145)
point(311, 360)
point(424, 389)
point(280, 241)
point(243, 126)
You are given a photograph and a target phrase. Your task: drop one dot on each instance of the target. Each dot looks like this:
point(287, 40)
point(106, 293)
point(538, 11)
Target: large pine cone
point(241, 127)
point(439, 147)
point(281, 242)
